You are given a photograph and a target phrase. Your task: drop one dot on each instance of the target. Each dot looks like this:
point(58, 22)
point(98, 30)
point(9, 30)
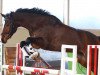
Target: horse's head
point(9, 27)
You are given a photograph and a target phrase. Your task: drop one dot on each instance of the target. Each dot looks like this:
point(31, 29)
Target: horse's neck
point(25, 23)
point(31, 23)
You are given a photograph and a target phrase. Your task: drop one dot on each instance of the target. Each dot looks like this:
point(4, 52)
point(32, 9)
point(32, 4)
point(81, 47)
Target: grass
point(80, 68)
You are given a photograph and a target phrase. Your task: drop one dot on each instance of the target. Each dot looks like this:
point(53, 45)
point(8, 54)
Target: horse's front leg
point(36, 42)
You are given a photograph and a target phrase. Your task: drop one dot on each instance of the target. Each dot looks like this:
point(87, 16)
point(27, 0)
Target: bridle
point(11, 25)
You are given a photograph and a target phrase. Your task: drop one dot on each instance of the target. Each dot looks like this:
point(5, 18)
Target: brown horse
point(98, 37)
point(53, 32)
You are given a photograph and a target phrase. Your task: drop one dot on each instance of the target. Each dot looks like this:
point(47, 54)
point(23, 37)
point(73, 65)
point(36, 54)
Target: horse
point(98, 37)
point(54, 33)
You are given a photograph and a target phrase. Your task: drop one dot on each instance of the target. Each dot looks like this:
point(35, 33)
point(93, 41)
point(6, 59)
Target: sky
point(49, 5)
point(83, 14)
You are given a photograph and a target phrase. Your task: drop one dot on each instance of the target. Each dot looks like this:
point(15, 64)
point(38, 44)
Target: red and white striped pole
point(90, 60)
point(19, 58)
point(95, 60)
point(93, 49)
point(31, 69)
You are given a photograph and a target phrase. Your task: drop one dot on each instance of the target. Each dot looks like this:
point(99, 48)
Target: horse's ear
point(3, 15)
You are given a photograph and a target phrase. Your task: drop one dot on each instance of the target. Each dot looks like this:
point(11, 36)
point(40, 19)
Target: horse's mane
point(34, 11)
point(37, 11)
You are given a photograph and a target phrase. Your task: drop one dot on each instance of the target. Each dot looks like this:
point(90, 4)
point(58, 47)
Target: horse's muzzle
point(3, 41)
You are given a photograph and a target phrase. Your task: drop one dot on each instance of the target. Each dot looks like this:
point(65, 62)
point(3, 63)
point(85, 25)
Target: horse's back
point(88, 38)
point(65, 35)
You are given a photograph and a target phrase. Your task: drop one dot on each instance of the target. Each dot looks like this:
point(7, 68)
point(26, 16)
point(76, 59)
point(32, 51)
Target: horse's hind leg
point(82, 59)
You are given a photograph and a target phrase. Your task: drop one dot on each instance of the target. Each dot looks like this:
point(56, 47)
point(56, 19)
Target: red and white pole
point(93, 53)
point(31, 69)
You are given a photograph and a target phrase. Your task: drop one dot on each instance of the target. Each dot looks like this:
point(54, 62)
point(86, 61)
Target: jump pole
point(19, 61)
point(31, 69)
point(96, 57)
